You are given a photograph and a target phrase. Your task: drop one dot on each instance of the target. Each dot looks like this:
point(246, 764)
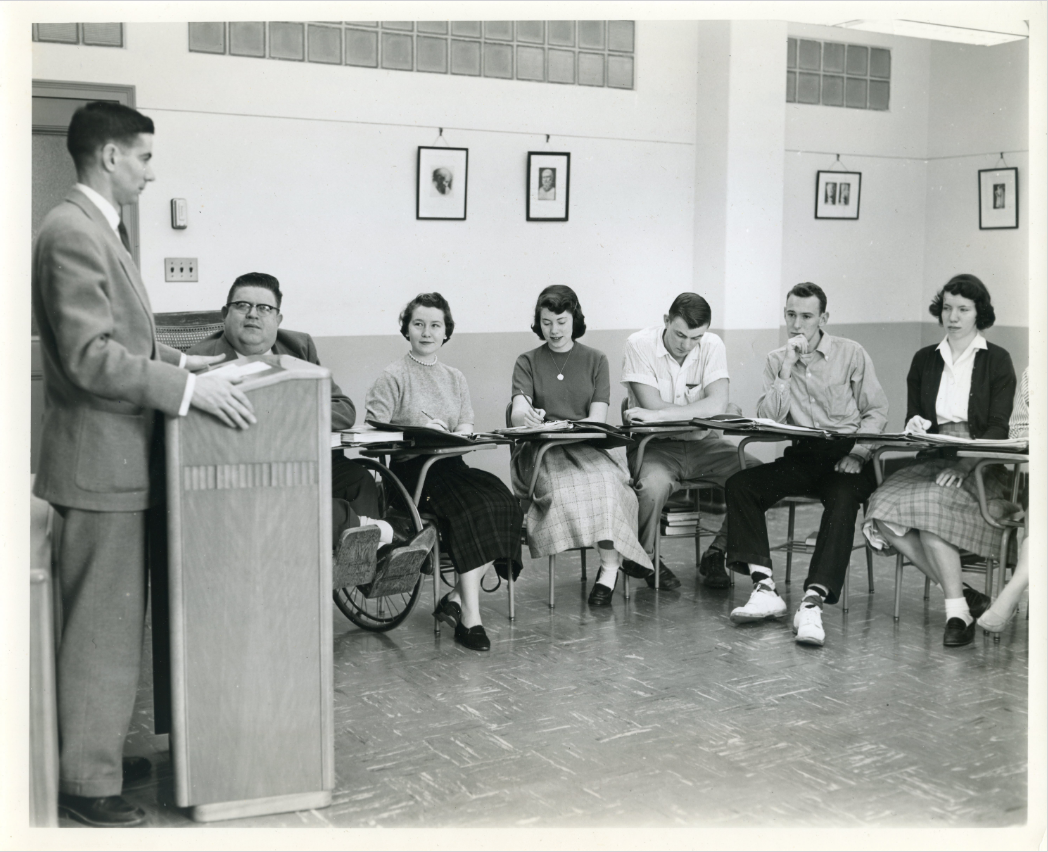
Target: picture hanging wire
point(440, 138)
point(1001, 160)
point(839, 163)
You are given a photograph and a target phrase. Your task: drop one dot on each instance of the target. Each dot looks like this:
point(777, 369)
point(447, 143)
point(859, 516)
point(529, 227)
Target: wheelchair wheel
point(379, 614)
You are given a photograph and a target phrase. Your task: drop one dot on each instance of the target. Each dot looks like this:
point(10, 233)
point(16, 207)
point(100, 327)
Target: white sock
point(958, 608)
point(610, 562)
point(385, 531)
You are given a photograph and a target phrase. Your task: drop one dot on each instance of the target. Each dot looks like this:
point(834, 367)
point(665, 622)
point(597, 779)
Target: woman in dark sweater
point(963, 387)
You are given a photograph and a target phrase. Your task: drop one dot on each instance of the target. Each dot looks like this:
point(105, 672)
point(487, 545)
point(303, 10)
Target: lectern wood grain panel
point(249, 525)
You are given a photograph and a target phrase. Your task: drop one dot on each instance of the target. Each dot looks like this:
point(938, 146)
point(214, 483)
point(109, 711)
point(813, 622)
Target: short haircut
point(100, 122)
point(805, 290)
point(692, 308)
point(427, 300)
point(257, 279)
point(969, 287)
point(559, 299)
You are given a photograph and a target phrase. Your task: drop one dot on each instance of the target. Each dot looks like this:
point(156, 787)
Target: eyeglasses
point(245, 308)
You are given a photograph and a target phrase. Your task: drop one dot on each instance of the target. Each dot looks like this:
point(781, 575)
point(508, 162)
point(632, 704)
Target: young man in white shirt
point(677, 371)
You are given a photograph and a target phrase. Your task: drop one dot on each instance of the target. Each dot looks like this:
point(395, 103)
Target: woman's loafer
point(600, 595)
point(958, 633)
point(449, 612)
point(473, 637)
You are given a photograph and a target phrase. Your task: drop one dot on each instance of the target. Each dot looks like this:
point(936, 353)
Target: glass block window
point(583, 53)
point(93, 35)
point(835, 74)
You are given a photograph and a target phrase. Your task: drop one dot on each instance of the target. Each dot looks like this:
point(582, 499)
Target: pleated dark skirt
point(479, 519)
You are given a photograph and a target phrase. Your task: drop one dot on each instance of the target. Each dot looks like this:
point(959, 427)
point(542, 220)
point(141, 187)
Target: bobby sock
point(385, 531)
point(759, 572)
point(815, 594)
point(610, 562)
point(958, 608)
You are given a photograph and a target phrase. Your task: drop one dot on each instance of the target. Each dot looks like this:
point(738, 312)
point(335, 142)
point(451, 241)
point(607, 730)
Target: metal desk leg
point(552, 571)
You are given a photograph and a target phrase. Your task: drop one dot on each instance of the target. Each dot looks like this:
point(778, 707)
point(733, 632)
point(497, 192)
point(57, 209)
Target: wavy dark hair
point(969, 287)
point(692, 308)
point(427, 300)
point(98, 123)
point(805, 290)
point(257, 279)
point(558, 299)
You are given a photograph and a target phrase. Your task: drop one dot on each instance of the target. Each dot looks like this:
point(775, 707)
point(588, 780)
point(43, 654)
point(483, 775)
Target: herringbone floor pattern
point(661, 712)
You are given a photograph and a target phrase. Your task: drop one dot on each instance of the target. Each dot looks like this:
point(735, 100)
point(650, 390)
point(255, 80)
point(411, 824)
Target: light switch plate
point(180, 269)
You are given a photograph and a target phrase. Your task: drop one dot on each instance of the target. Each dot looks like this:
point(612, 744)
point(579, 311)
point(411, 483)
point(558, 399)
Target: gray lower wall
point(487, 362)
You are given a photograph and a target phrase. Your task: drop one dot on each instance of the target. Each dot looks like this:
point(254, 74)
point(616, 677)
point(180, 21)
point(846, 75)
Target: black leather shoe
point(403, 533)
point(101, 811)
point(958, 633)
point(667, 579)
point(136, 769)
point(473, 638)
point(600, 595)
point(711, 570)
point(978, 603)
point(448, 611)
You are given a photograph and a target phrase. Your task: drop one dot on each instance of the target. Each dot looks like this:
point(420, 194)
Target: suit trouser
point(101, 560)
point(667, 463)
point(806, 470)
point(353, 493)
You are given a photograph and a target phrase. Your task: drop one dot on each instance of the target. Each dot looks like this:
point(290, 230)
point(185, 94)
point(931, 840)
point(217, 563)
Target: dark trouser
point(353, 493)
point(101, 559)
point(805, 470)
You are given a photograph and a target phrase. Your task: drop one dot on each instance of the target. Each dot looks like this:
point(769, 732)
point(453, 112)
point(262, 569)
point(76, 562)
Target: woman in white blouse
point(963, 387)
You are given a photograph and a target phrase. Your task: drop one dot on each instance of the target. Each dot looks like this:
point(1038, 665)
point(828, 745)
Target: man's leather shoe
point(473, 637)
point(635, 570)
point(136, 769)
point(101, 811)
point(978, 603)
point(600, 595)
point(711, 570)
point(958, 633)
point(667, 579)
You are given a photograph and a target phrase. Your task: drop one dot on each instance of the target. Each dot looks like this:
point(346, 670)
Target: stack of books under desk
point(680, 522)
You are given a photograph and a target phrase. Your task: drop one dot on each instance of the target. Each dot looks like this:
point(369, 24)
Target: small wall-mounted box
point(180, 269)
point(179, 214)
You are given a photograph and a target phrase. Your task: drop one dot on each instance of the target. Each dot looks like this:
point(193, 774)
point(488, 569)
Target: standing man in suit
point(252, 318)
point(106, 378)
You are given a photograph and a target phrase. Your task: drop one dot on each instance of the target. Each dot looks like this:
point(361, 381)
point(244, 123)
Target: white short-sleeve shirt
point(646, 361)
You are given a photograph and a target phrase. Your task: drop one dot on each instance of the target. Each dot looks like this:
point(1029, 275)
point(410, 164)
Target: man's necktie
point(120, 229)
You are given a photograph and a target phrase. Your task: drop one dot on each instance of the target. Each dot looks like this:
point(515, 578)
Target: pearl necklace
point(560, 370)
point(411, 355)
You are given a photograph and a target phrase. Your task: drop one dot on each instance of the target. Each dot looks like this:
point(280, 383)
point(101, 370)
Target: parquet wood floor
point(661, 712)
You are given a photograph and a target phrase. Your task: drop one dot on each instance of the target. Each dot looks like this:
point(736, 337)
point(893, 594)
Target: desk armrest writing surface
point(249, 523)
point(649, 432)
point(988, 458)
point(434, 454)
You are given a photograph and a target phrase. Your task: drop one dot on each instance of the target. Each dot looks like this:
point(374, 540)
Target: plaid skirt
point(910, 499)
point(478, 519)
point(582, 496)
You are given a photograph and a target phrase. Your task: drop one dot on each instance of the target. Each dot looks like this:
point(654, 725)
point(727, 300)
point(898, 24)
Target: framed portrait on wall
point(998, 199)
point(549, 179)
point(440, 191)
point(837, 195)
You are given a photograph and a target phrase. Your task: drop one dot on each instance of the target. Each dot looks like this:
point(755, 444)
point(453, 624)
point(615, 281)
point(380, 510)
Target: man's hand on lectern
point(217, 395)
point(196, 363)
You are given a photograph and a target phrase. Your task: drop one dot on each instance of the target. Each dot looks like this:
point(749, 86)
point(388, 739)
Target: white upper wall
point(870, 268)
point(308, 172)
point(980, 108)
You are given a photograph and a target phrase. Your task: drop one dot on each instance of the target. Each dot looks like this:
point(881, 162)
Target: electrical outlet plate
point(180, 269)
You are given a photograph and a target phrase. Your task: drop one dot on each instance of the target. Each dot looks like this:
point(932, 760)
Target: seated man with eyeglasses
point(252, 327)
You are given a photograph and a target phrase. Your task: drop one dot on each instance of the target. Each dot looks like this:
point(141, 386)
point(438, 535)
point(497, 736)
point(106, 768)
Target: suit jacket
point(989, 401)
point(300, 345)
point(105, 375)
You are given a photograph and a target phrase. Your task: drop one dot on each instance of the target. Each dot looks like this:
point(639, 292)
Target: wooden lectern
point(249, 561)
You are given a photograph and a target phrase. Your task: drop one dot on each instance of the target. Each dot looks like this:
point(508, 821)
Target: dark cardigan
point(990, 399)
